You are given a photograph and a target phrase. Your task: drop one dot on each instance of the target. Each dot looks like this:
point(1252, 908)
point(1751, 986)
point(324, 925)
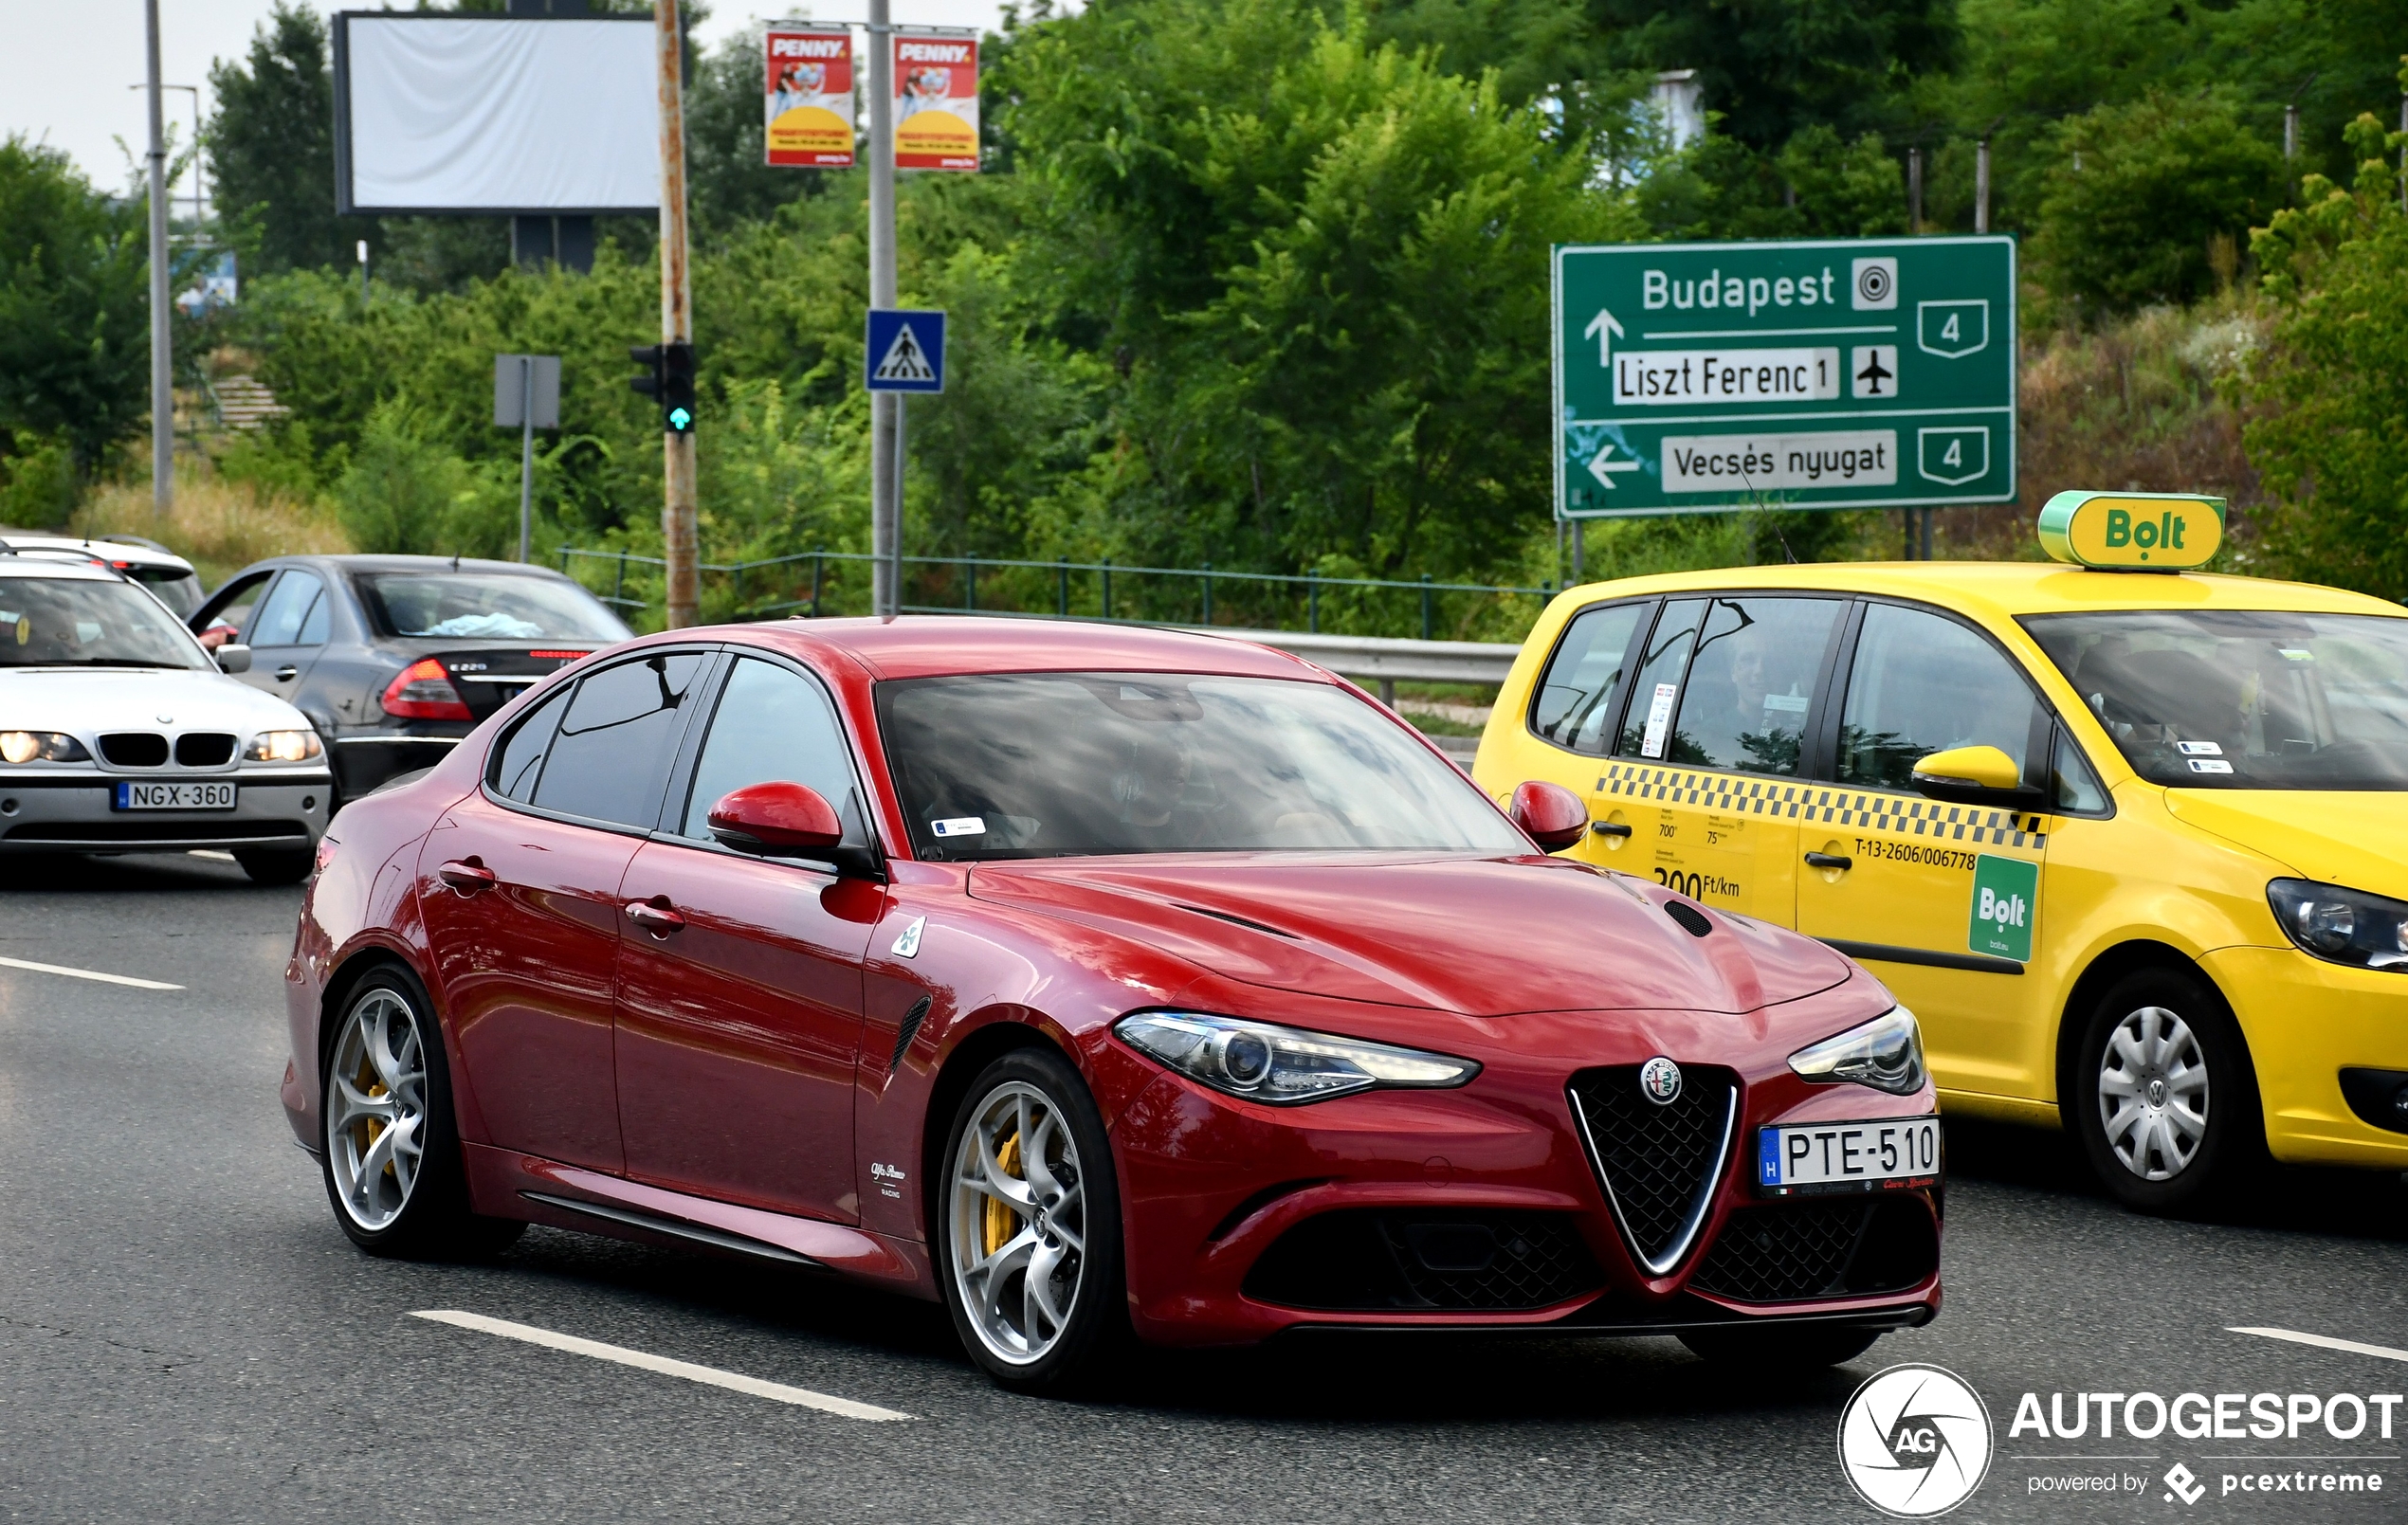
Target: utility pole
point(684, 596)
point(162, 343)
point(1982, 186)
point(1914, 188)
point(885, 544)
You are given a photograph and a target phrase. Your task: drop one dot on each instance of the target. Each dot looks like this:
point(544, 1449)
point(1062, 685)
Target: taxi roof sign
point(2133, 532)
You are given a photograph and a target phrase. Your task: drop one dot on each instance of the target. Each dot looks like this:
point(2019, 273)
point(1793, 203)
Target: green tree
point(271, 146)
point(74, 309)
point(2159, 179)
point(2329, 396)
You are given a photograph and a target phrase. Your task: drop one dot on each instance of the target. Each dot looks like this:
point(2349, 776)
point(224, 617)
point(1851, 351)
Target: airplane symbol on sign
point(1873, 375)
point(1604, 470)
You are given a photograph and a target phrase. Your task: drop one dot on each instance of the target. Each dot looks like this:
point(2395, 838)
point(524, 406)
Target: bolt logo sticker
point(1914, 1441)
point(2004, 893)
point(1660, 1081)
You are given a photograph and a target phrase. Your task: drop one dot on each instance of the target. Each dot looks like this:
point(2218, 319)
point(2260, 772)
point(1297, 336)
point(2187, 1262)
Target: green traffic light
point(681, 420)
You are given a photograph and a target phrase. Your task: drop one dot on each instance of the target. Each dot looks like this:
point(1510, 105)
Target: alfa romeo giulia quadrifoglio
point(1103, 985)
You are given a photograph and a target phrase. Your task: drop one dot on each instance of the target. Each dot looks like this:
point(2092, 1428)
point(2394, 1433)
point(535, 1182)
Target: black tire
point(2201, 1038)
point(429, 1217)
point(1779, 1350)
point(276, 865)
point(1088, 1344)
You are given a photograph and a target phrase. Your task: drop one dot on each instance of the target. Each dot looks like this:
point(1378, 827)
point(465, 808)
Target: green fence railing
point(814, 584)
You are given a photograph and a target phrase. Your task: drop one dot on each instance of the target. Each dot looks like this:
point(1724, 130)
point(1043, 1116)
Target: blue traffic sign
point(906, 350)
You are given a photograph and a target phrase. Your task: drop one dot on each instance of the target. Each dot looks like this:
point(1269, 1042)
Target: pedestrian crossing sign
point(906, 350)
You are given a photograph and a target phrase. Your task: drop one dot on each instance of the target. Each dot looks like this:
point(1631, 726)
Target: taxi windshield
point(2216, 698)
point(72, 621)
point(1057, 765)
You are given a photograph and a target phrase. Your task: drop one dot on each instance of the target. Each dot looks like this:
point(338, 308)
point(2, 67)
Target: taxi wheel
point(276, 865)
point(1779, 1350)
point(389, 1143)
point(2163, 1096)
point(1029, 1228)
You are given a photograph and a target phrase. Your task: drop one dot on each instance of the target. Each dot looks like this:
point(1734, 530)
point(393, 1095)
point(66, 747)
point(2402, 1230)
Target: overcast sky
point(65, 65)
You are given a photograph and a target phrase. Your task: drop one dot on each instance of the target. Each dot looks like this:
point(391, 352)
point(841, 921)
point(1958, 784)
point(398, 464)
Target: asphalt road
point(185, 1334)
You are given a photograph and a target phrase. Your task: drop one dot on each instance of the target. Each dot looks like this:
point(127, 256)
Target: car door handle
point(654, 915)
point(1609, 829)
point(1828, 859)
point(287, 673)
point(467, 876)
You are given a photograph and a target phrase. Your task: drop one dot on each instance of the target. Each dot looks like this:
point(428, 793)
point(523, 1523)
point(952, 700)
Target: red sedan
point(1098, 983)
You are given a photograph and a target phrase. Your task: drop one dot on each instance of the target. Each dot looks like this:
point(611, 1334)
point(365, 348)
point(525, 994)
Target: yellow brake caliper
point(375, 1088)
point(1000, 1220)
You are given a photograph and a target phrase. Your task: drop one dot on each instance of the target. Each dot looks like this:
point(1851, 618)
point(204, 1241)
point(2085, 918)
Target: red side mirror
point(1553, 815)
point(776, 817)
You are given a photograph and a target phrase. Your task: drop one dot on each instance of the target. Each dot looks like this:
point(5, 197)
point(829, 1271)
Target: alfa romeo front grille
point(1658, 1162)
point(1797, 1252)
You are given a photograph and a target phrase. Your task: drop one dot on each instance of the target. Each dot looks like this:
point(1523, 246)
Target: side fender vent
point(910, 1029)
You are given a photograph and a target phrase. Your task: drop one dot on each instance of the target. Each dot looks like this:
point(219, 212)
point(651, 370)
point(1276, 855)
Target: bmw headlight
point(2344, 926)
point(282, 746)
point(1885, 1053)
point(1282, 1066)
point(41, 746)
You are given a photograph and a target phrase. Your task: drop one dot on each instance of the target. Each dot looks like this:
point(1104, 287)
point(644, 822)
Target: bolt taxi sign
point(2133, 532)
point(809, 99)
point(935, 101)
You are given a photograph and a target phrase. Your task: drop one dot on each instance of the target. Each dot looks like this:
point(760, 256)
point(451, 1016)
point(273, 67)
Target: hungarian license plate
point(165, 796)
point(1816, 1158)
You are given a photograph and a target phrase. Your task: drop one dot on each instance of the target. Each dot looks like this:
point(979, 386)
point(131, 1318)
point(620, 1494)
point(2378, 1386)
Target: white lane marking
point(2323, 1342)
point(219, 854)
point(88, 974)
point(711, 1376)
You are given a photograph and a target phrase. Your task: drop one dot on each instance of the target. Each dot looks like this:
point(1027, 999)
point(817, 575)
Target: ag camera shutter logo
point(1915, 1441)
point(1872, 284)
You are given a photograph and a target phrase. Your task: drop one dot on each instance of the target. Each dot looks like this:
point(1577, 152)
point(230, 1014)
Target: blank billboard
point(437, 112)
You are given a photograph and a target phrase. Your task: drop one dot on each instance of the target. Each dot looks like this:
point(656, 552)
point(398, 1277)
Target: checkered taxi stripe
point(1901, 815)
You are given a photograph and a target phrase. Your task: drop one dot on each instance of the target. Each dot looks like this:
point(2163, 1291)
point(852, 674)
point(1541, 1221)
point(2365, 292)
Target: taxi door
point(1942, 901)
point(1705, 764)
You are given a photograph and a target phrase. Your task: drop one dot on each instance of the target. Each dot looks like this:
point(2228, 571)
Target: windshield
point(497, 606)
point(2243, 700)
point(1056, 765)
point(67, 622)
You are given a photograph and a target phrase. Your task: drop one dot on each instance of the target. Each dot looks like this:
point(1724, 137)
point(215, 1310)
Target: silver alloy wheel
point(376, 1107)
point(2153, 1093)
point(1018, 1216)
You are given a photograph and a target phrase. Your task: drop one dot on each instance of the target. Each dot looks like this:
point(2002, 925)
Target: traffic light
point(672, 380)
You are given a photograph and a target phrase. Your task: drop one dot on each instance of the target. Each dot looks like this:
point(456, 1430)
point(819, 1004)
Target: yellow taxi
point(2130, 840)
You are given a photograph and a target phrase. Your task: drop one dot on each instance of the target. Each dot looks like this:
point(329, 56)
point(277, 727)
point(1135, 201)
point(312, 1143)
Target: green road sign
point(1815, 374)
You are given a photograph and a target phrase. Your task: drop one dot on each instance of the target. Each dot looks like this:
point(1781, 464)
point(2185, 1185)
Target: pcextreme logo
point(1915, 1441)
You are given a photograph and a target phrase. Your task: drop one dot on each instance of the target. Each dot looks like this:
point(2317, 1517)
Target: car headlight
point(1282, 1067)
point(2344, 926)
point(41, 746)
point(282, 746)
point(1885, 1053)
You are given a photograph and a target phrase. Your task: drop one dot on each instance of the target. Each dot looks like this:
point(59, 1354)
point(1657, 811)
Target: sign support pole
point(162, 343)
point(683, 591)
point(527, 453)
point(886, 409)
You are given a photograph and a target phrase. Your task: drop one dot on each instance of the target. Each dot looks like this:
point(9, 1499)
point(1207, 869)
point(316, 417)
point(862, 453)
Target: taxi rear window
point(2223, 699)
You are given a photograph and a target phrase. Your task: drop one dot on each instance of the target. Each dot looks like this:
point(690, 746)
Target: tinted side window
point(1575, 693)
point(1753, 675)
point(1922, 684)
point(617, 738)
point(1647, 729)
point(522, 756)
point(286, 619)
point(771, 723)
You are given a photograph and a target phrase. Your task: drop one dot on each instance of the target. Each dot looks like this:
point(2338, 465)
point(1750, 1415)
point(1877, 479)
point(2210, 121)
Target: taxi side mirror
point(1553, 815)
point(1973, 775)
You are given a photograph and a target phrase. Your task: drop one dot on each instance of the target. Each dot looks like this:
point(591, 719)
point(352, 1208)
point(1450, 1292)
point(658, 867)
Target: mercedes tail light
point(422, 691)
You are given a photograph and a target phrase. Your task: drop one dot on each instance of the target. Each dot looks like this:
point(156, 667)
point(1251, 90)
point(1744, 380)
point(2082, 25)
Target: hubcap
point(376, 1108)
point(1018, 1218)
point(2153, 1094)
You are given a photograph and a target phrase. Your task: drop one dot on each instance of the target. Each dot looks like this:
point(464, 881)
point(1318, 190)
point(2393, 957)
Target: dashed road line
point(2321, 1341)
point(88, 974)
point(644, 1360)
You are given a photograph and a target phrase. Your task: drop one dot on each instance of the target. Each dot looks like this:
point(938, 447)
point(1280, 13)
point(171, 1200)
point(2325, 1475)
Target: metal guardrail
point(1386, 660)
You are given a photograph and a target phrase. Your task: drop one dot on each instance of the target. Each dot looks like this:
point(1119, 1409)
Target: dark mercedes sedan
point(394, 659)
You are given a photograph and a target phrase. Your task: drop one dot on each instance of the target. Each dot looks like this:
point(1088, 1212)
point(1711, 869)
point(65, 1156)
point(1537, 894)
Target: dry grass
point(220, 527)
